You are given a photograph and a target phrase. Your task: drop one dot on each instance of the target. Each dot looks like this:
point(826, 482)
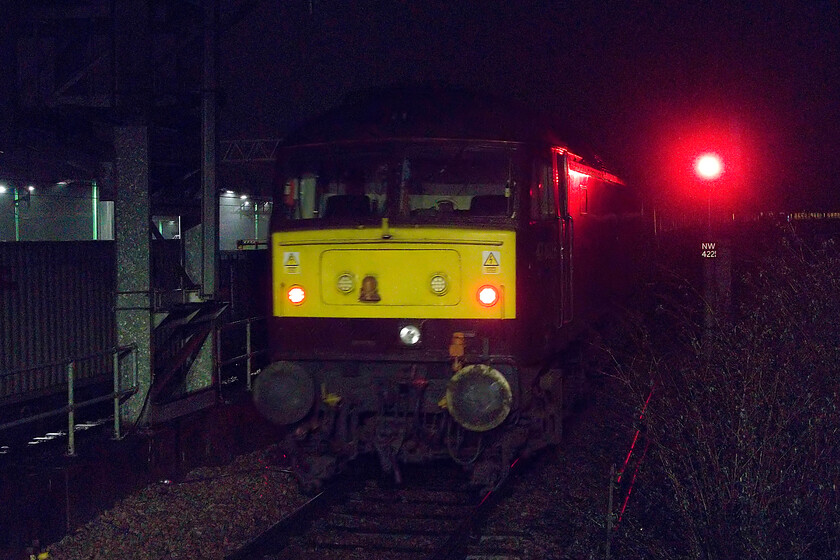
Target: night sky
point(649, 85)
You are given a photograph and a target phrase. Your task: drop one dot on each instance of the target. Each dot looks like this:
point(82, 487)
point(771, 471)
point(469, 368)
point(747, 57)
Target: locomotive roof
point(430, 111)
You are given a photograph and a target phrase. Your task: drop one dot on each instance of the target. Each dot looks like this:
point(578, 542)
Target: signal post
point(715, 252)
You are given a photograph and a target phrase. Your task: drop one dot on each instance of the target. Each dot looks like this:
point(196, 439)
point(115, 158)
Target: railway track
point(432, 515)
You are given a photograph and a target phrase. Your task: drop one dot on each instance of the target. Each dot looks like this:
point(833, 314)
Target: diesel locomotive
point(435, 256)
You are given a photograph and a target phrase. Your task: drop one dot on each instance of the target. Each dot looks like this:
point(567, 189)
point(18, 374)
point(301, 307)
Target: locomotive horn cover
point(284, 393)
point(478, 397)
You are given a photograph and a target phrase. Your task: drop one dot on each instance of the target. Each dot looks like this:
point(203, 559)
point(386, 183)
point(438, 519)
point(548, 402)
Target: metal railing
point(249, 354)
point(72, 405)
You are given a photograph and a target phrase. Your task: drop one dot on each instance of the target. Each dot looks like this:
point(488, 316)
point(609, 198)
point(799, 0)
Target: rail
point(72, 405)
point(249, 354)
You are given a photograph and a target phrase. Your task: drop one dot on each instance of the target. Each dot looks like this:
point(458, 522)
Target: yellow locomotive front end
point(394, 293)
point(399, 272)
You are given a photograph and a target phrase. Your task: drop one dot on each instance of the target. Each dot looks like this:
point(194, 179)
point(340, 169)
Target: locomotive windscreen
point(429, 180)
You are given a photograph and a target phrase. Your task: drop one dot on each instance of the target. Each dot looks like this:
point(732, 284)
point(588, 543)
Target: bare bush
point(744, 423)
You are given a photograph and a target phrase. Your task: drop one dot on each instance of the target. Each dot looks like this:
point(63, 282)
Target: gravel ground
point(559, 499)
point(209, 513)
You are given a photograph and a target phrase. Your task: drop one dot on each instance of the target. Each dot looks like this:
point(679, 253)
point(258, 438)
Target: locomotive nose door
point(566, 236)
point(547, 231)
point(552, 232)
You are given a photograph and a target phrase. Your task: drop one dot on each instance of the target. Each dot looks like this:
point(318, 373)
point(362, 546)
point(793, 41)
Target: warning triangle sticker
point(491, 260)
point(292, 261)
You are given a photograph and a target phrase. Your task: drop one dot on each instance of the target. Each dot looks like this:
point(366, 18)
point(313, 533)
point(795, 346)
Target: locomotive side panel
point(606, 240)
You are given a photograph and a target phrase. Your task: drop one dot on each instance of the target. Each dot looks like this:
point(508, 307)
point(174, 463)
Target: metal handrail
point(72, 405)
point(249, 352)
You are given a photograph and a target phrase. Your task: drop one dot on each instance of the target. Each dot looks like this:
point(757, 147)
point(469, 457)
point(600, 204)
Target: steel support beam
point(247, 151)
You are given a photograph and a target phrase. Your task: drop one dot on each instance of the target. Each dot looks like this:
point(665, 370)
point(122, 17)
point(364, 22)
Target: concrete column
point(133, 313)
point(209, 198)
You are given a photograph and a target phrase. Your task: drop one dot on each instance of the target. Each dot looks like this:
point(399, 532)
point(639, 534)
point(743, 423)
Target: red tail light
point(488, 296)
point(296, 295)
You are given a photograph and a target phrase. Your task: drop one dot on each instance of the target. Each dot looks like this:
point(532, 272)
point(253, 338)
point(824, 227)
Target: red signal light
point(296, 295)
point(708, 166)
point(488, 296)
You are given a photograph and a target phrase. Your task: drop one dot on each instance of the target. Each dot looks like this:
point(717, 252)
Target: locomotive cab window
point(447, 181)
point(579, 184)
point(542, 192)
point(322, 183)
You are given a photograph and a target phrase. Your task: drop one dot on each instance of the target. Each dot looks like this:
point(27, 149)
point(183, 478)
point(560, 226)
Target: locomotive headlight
point(438, 284)
point(410, 335)
point(345, 283)
point(479, 397)
point(487, 296)
point(296, 295)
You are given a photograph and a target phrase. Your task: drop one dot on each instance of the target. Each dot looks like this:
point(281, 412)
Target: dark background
point(651, 84)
